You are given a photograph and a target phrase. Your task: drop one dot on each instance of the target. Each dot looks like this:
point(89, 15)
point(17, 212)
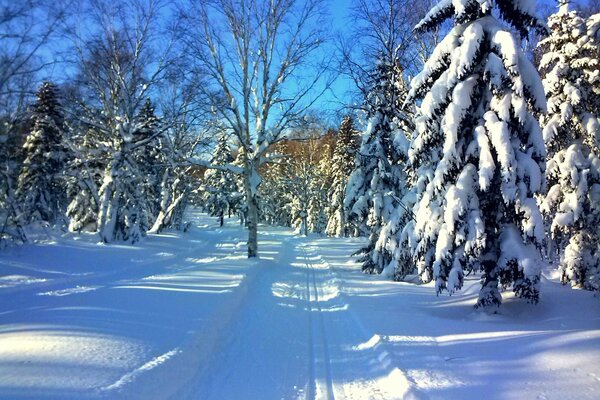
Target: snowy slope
point(187, 316)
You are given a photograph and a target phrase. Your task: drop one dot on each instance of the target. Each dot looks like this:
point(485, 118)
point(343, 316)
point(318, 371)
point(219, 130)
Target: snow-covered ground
point(187, 316)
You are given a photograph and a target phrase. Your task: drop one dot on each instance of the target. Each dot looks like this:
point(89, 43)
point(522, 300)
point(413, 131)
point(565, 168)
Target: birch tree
point(266, 69)
point(121, 60)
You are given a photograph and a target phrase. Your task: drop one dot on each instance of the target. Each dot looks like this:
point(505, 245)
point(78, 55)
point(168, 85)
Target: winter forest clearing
point(281, 199)
point(192, 317)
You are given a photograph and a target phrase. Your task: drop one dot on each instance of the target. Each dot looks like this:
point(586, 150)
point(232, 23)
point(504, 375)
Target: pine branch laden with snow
point(342, 163)
point(379, 177)
point(571, 63)
point(40, 189)
point(479, 153)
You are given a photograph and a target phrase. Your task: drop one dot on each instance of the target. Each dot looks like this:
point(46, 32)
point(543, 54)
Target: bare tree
point(383, 29)
point(26, 28)
point(265, 68)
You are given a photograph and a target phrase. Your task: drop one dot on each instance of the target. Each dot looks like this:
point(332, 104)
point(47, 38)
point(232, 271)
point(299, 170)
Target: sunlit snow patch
point(65, 292)
point(369, 344)
point(205, 260)
point(59, 358)
point(17, 280)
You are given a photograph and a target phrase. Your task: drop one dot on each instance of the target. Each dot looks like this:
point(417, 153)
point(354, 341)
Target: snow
point(188, 315)
point(436, 11)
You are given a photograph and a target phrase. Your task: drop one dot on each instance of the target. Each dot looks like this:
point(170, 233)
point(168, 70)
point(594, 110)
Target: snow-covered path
point(189, 317)
point(300, 337)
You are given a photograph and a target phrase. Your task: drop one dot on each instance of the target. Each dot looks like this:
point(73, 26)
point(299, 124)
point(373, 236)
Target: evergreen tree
point(221, 186)
point(85, 169)
point(11, 224)
point(294, 187)
point(378, 179)
point(478, 151)
point(40, 190)
point(150, 158)
point(571, 64)
point(342, 164)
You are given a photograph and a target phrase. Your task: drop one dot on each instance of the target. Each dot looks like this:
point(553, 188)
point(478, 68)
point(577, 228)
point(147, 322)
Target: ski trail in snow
point(395, 383)
point(319, 368)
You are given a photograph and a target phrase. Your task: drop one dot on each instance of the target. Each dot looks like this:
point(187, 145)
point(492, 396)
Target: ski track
point(319, 361)
point(329, 288)
point(311, 356)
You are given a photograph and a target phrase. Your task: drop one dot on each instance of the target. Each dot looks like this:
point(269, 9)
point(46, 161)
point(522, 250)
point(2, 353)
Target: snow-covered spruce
point(40, 189)
point(151, 158)
point(11, 226)
point(571, 68)
point(379, 179)
point(479, 152)
point(221, 191)
point(341, 165)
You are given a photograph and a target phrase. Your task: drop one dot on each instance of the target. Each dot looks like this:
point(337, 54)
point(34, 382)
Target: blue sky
point(340, 23)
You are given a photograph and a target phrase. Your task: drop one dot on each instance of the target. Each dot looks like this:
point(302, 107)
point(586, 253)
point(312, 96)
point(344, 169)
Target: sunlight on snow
point(51, 357)
point(65, 292)
point(16, 280)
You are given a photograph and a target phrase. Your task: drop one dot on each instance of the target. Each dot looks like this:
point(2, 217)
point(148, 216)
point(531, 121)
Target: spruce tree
point(478, 151)
point(571, 65)
point(342, 164)
point(221, 187)
point(378, 179)
point(150, 157)
point(84, 170)
point(40, 189)
point(11, 225)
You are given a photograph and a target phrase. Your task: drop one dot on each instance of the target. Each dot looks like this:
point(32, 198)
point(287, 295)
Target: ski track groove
point(319, 331)
point(383, 354)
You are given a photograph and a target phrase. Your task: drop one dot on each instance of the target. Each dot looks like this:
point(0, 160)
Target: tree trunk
point(252, 224)
point(252, 209)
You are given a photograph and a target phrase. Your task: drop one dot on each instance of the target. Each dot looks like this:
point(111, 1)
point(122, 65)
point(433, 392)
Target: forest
point(452, 146)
